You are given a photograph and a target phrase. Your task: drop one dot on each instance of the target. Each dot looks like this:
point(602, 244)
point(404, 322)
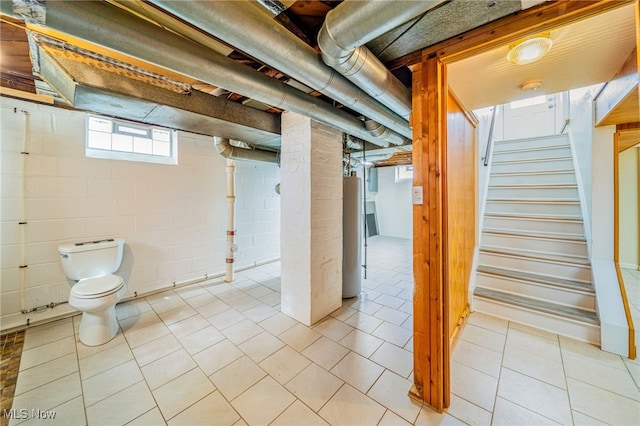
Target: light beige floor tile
point(391, 316)
point(394, 358)
point(389, 301)
point(601, 375)
point(325, 352)
point(395, 334)
point(573, 347)
point(167, 368)
point(366, 305)
point(540, 346)
point(45, 373)
point(263, 402)
point(539, 397)
point(242, 331)
point(477, 357)
point(278, 323)
point(467, 412)
point(203, 299)
point(84, 351)
point(351, 407)
point(489, 322)
point(49, 396)
point(70, 413)
point(482, 337)
point(298, 414)
point(260, 313)
point(105, 360)
point(429, 417)
point(47, 352)
point(474, 386)
point(314, 386)
point(201, 339)
point(343, 313)
point(226, 319)
point(507, 413)
point(582, 420)
point(178, 314)
point(217, 356)
point(261, 346)
point(191, 291)
point(409, 345)
point(152, 417)
point(135, 322)
point(362, 343)
point(210, 410)
point(122, 407)
point(156, 349)
point(634, 369)
point(215, 307)
point(244, 303)
point(364, 322)
point(333, 329)
point(182, 392)
point(258, 291)
point(392, 391)
point(285, 364)
point(358, 371)
point(169, 301)
point(42, 335)
point(110, 382)
point(188, 326)
point(392, 419)
point(237, 377)
point(132, 308)
point(299, 336)
point(531, 330)
point(530, 364)
point(140, 336)
point(601, 404)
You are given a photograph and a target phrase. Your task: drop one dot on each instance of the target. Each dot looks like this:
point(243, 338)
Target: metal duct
point(354, 23)
point(224, 148)
point(276, 46)
point(127, 34)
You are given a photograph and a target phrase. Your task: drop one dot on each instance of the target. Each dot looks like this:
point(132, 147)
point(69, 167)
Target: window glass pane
point(162, 148)
point(143, 145)
point(100, 124)
point(161, 135)
point(122, 143)
point(99, 140)
point(132, 130)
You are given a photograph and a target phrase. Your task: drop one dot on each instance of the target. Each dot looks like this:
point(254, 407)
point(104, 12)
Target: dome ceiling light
point(528, 50)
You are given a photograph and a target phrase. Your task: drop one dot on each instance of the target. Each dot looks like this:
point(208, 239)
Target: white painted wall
point(393, 205)
point(629, 163)
point(172, 218)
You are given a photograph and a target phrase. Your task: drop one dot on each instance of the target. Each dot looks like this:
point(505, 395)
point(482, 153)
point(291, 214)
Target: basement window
point(123, 140)
point(404, 173)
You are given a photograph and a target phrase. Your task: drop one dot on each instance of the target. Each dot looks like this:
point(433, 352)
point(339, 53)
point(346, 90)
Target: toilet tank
point(91, 258)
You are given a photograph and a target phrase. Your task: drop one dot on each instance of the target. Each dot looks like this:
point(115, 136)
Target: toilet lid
point(97, 286)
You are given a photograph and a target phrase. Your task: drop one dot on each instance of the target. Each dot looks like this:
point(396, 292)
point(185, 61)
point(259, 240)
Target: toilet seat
point(94, 287)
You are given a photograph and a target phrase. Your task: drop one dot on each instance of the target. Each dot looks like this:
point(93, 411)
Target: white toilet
point(96, 291)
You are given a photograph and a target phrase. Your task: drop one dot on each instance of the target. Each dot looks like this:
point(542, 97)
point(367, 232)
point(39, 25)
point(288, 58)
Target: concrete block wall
point(311, 225)
point(172, 218)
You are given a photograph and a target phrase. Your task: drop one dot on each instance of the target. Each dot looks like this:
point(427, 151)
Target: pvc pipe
point(231, 201)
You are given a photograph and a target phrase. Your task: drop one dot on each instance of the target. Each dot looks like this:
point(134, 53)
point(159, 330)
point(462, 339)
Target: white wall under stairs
point(533, 262)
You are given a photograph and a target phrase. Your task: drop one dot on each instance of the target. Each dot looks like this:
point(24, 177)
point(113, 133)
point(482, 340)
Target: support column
point(311, 218)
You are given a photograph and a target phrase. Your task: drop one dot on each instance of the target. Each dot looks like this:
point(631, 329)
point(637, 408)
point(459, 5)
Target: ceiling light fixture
point(531, 85)
point(530, 49)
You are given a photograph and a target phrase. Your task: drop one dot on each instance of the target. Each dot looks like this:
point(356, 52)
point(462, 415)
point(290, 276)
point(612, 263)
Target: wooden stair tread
point(537, 200)
point(533, 172)
point(530, 149)
point(532, 160)
point(575, 314)
point(533, 216)
point(536, 278)
point(534, 185)
point(535, 234)
point(550, 256)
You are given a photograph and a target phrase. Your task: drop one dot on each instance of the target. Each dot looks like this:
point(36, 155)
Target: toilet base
point(98, 327)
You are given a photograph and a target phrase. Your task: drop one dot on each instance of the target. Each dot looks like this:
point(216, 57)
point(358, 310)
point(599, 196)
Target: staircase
point(533, 263)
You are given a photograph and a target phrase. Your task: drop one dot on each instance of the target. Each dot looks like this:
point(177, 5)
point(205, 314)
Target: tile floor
point(220, 354)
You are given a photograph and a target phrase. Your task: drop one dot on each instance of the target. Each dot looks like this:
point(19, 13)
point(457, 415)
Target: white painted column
point(311, 218)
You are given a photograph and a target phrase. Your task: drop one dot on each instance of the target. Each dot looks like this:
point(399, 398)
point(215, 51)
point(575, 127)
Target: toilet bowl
point(95, 290)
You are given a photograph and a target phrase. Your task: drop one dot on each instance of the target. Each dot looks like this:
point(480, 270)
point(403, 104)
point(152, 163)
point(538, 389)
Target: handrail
point(490, 137)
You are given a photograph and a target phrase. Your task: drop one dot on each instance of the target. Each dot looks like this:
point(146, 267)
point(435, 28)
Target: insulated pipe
point(231, 202)
point(224, 148)
point(246, 27)
point(117, 30)
point(351, 25)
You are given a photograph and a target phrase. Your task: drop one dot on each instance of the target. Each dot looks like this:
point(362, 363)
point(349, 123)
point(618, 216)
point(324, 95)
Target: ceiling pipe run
point(248, 28)
point(122, 32)
point(223, 147)
point(351, 25)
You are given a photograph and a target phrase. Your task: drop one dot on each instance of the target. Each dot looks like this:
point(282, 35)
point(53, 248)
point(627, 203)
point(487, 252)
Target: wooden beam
point(544, 17)
point(431, 343)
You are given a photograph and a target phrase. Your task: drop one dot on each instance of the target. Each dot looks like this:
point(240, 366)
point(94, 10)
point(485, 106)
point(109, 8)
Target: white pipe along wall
point(231, 204)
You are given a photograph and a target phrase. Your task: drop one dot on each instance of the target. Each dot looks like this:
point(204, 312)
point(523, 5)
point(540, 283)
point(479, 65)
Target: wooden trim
point(616, 244)
point(20, 94)
point(430, 353)
point(544, 17)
